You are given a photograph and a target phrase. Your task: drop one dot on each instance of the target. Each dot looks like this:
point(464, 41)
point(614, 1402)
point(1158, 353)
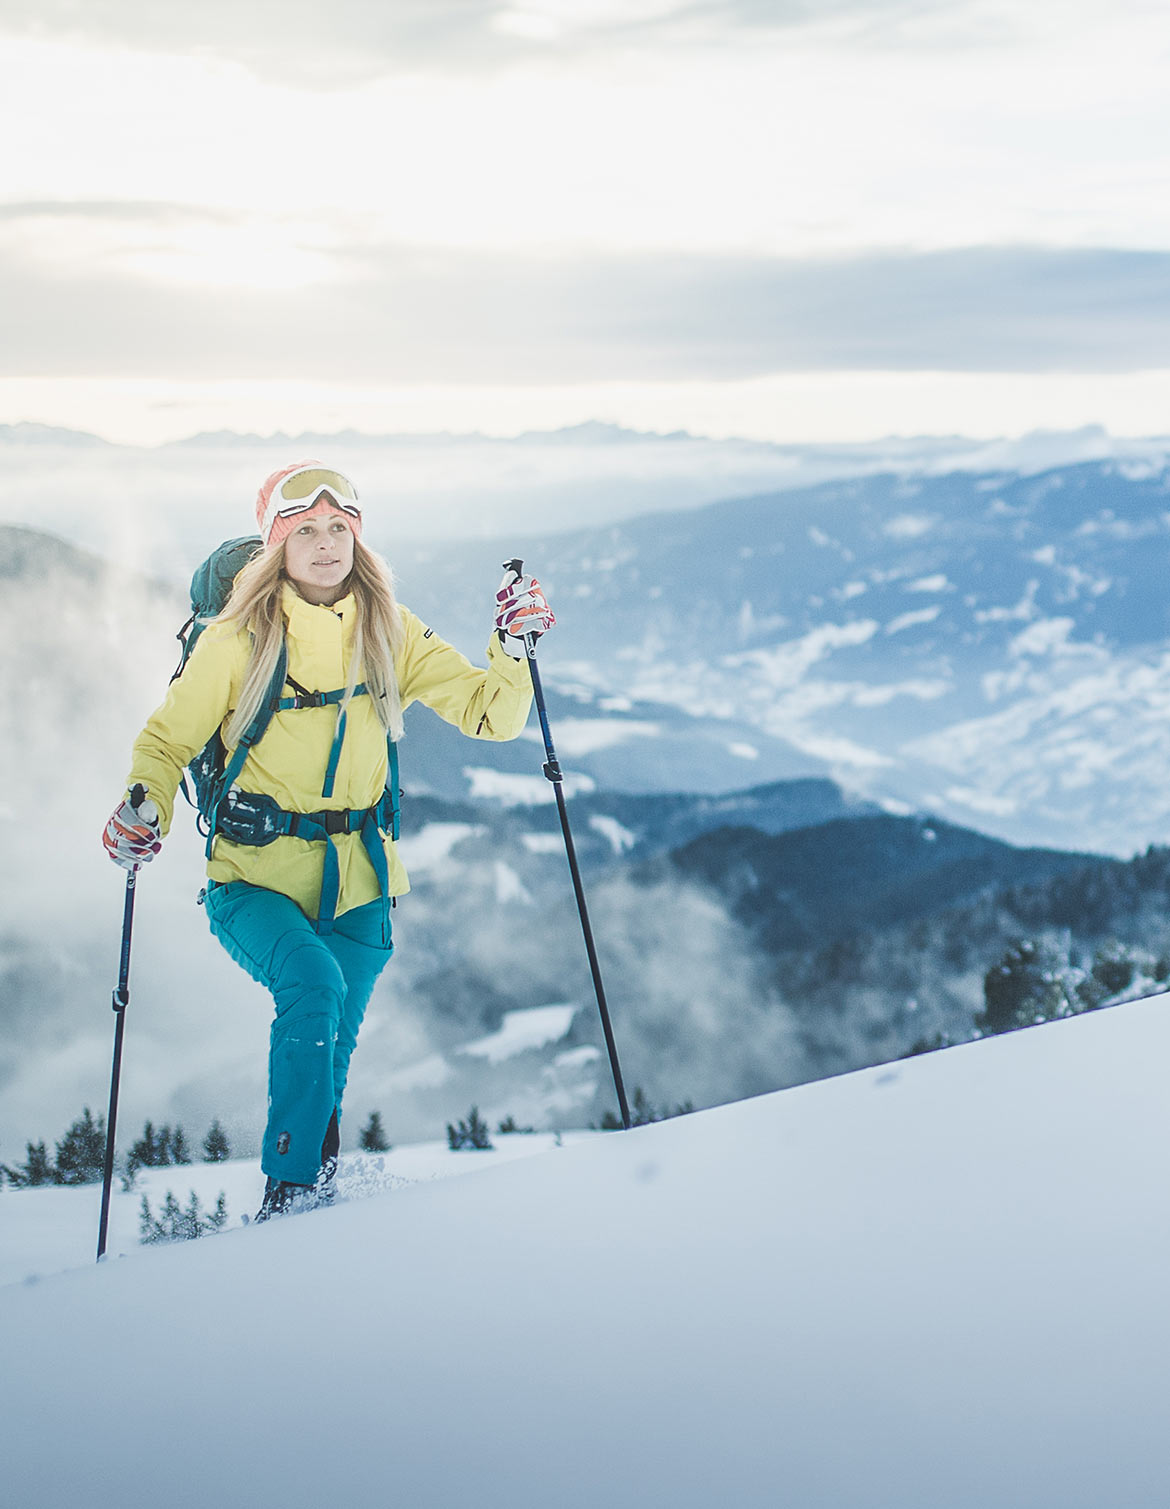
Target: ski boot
point(284, 1199)
point(326, 1183)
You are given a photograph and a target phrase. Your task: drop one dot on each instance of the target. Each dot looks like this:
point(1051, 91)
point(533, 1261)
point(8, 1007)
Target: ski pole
point(120, 1001)
point(554, 773)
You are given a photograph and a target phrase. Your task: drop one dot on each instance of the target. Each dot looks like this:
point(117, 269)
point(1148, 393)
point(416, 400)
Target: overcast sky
point(798, 219)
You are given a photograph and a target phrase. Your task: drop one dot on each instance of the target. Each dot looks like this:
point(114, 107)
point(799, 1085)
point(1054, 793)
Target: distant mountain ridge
point(589, 432)
point(894, 631)
point(612, 828)
point(803, 888)
point(29, 433)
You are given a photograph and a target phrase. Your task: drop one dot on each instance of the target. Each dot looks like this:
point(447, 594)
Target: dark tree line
point(1037, 981)
point(80, 1154)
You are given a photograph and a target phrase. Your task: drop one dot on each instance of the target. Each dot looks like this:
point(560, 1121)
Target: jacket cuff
point(513, 670)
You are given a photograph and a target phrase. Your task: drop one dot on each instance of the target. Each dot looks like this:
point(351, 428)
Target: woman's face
point(318, 557)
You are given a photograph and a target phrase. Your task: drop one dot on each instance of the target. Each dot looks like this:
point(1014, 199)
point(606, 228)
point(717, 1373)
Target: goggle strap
point(279, 510)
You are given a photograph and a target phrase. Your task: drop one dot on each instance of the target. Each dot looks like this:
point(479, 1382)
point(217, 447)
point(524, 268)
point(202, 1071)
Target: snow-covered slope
point(51, 1229)
point(934, 1286)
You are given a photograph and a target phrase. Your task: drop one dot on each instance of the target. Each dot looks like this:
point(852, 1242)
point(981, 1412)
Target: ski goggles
point(300, 491)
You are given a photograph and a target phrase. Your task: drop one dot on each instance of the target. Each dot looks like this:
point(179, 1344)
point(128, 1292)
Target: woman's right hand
point(133, 835)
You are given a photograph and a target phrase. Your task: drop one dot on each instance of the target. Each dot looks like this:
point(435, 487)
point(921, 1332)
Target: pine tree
point(81, 1153)
point(38, 1168)
point(176, 1224)
point(1114, 967)
point(1025, 987)
point(147, 1225)
point(191, 1223)
point(164, 1227)
point(145, 1152)
point(472, 1133)
point(215, 1145)
point(374, 1136)
point(180, 1153)
point(644, 1113)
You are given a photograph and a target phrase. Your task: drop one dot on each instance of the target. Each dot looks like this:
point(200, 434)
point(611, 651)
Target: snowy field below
point(49, 1230)
point(939, 1284)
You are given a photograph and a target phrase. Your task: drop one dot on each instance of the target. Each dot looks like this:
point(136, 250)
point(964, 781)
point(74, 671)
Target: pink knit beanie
point(326, 490)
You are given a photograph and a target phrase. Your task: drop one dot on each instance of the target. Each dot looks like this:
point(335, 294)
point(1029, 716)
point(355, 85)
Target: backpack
point(252, 817)
point(211, 586)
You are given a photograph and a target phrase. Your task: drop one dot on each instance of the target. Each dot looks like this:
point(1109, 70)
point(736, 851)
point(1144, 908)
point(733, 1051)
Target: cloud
point(330, 46)
point(126, 293)
point(327, 46)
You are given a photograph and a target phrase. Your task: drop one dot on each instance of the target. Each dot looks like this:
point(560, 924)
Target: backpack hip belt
point(251, 817)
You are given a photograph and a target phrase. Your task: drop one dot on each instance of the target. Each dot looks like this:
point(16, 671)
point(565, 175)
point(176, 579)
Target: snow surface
point(584, 736)
point(618, 837)
point(543, 843)
point(512, 790)
point(529, 1027)
point(433, 844)
point(50, 1230)
point(937, 1285)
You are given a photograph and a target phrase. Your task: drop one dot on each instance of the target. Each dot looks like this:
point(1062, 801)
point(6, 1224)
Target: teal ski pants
point(321, 986)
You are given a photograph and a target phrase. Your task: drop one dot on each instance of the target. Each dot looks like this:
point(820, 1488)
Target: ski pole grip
point(137, 795)
point(516, 565)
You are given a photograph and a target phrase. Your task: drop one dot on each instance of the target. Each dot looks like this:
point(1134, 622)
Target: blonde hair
point(255, 604)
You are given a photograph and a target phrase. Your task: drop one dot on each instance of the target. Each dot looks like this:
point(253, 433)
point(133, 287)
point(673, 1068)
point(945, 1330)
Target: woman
point(301, 856)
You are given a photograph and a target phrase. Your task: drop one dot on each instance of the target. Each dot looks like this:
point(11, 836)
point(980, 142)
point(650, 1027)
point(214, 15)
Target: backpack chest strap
point(316, 699)
point(305, 698)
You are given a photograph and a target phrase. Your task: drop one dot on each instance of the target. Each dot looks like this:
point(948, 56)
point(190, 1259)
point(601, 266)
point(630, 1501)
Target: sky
point(789, 219)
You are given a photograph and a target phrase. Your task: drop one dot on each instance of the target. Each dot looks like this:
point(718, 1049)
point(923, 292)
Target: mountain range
point(991, 648)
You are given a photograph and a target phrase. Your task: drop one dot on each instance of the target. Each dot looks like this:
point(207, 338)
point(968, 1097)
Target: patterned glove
point(521, 608)
point(133, 836)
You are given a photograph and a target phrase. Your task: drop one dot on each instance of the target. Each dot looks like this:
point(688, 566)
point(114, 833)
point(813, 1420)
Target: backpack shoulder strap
point(251, 736)
point(392, 786)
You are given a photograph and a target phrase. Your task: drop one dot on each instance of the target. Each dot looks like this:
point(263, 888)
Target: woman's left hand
point(521, 609)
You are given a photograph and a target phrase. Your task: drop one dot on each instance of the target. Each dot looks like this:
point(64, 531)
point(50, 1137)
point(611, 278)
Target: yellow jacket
point(289, 762)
